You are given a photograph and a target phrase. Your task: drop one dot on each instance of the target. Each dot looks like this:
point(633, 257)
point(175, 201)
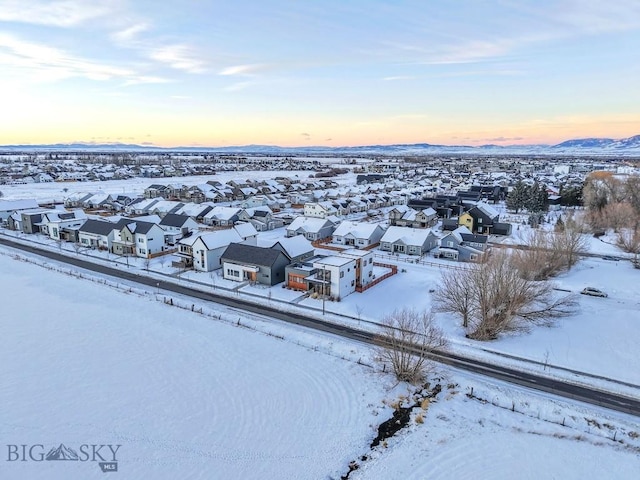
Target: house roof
point(137, 226)
point(218, 239)
point(245, 230)
point(408, 236)
point(308, 224)
point(98, 227)
point(174, 220)
point(294, 246)
point(357, 229)
point(251, 255)
point(487, 209)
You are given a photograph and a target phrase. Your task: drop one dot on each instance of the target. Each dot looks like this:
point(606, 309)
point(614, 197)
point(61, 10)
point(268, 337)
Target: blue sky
point(325, 72)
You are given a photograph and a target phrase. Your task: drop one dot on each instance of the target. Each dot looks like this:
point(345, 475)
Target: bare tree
point(408, 337)
point(629, 241)
point(546, 254)
point(499, 299)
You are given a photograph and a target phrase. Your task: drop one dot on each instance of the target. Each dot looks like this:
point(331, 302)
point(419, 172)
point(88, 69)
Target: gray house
point(254, 264)
point(312, 228)
point(410, 241)
point(462, 245)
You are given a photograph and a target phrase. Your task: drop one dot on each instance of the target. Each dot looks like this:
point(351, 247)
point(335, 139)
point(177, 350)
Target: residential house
point(312, 228)
point(363, 265)
point(62, 224)
point(143, 239)
point(176, 226)
point(99, 234)
point(462, 245)
point(334, 277)
point(220, 216)
point(297, 249)
point(254, 264)
point(480, 218)
point(357, 234)
point(7, 207)
point(319, 209)
point(405, 216)
point(410, 241)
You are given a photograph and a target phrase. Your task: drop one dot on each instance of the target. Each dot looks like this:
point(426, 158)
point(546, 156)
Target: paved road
point(558, 387)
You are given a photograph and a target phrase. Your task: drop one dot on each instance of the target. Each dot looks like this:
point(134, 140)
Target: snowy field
point(58, 191)
point(190, 397)
point(185, 396)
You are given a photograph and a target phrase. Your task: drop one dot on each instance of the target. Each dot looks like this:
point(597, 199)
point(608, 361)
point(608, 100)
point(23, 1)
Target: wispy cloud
point(398, 78)
point(179, 57)
point(129, 35)
point(243, 70)
point(52, 64)
point(236, 87)
point(63, 13)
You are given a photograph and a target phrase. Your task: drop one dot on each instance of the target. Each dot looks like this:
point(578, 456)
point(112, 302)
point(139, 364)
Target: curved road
point(558, 387)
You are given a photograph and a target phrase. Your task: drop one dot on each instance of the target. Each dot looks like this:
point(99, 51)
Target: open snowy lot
point(189, 397)
point(185, 396)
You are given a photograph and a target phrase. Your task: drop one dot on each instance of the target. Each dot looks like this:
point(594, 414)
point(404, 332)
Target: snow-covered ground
point(185, 396)
point(233, 396)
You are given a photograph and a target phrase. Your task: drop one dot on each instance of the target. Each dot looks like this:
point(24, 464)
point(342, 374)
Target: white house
point(364, 265)
point(207, 248)
point(335, 276)
point(54, 223)
point(319, 210)
point(357, 234)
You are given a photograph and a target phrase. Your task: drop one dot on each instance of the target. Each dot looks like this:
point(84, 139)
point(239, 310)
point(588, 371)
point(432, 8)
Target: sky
point(302, 73)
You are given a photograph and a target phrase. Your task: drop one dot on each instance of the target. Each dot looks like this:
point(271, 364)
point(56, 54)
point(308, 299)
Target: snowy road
point(554, 386)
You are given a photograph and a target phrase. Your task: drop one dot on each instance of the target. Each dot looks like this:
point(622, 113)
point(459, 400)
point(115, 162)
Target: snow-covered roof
point(357, 229)
point(487, 209)
point(294, 246)
point(308, 224)
point(408, 236)
point(245, 229)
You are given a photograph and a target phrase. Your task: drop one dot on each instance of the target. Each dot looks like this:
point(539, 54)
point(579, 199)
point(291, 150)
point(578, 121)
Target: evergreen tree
point(517, 197)
point(537, 199)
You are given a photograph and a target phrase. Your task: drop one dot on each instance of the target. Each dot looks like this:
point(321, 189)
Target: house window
point(450, 244)
point(370, 261)
point(353, 282)
point(139, 239)
point(341, 274)
point(480, 220)
point(370, 272)
point(84, 240)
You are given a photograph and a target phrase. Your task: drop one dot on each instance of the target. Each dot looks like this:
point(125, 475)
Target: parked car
point(594, 292)
point(609, 257)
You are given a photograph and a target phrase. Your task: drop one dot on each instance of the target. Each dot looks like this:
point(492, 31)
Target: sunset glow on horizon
point(334, 73)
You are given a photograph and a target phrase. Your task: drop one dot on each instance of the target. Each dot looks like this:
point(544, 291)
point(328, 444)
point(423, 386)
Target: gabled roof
point(174, 220)
point(251, 255)
point(218, 239)
point(309, 224)
point(97, 227)
point(357, 229)
point(294, 246)
point(245, 230)
point(487, 209)
point(407, 236)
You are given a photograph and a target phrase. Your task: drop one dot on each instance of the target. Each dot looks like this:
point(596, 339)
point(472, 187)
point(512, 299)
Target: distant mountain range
point(583, 146)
